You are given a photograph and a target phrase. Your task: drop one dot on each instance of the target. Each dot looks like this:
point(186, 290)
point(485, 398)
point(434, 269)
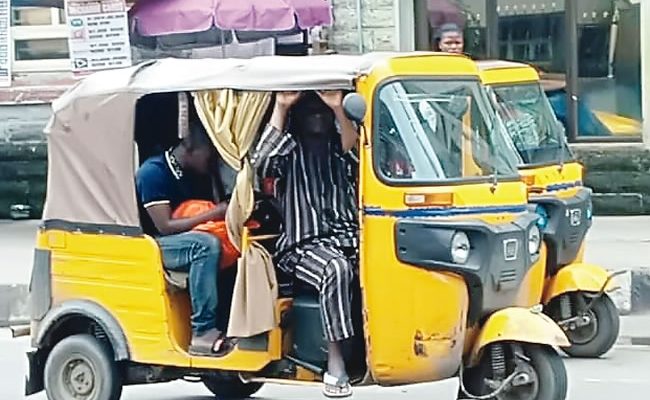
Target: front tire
point(80, 367)
point(230, 388)
point(543, 365)
point(597, 338)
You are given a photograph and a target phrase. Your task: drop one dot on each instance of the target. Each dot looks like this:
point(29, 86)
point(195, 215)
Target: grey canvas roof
point(90, 135)
point(270, 73)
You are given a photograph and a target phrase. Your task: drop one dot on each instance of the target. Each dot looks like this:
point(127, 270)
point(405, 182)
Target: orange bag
point(191, 208)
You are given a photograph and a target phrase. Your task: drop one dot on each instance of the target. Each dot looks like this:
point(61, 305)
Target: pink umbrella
point(162, 17)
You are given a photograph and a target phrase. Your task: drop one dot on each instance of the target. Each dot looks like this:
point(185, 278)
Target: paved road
point(619, 242)
point(622, 374)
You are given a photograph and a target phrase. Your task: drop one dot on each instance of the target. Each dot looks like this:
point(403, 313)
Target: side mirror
point(354, 107)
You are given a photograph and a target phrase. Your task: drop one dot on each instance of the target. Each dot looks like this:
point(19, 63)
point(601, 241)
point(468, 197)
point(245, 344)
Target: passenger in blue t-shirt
point(163, 182)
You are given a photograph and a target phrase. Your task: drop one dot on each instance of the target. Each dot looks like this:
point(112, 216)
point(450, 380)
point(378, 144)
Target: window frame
point(57, 29)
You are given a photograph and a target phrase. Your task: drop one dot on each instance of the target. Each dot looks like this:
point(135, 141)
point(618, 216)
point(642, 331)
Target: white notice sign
point(5, 43)
point(99, 34)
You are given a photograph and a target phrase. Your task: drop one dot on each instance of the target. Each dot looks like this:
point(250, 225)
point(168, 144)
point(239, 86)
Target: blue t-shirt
point(159, 181)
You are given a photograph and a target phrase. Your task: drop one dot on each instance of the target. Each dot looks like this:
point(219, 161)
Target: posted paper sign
point(99, 35)
point(5, 44)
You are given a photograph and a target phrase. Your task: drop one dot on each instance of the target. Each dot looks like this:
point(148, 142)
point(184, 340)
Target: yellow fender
point(577, 277)
point(517, 324)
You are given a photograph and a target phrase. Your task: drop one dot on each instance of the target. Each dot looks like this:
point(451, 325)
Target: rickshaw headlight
point(534, 240)
point(460, 247)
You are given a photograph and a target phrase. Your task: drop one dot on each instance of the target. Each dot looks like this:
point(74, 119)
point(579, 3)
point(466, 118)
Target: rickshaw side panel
point(123, 275)
point(577, 277)
point(412, 337)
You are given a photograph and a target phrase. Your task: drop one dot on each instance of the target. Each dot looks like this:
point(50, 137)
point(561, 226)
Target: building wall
point(378, 26)
point(23, 156)
point(618, 174)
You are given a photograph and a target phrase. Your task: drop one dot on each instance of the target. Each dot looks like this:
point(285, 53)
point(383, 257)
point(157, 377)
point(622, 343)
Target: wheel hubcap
point(525, 385)
point(79, 378)
point(586, 332)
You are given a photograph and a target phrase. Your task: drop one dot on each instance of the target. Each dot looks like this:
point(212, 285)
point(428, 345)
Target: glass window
point(530, 123)
point(429, 130)
point(30, 16)
point(609, 71)
point(535, 39)
point(41, 49)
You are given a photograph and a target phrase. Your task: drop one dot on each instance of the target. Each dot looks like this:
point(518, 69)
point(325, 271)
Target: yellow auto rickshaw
point(447, 240)
point(575, 293)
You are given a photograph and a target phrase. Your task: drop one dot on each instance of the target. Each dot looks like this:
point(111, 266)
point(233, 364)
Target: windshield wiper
point(493, 156)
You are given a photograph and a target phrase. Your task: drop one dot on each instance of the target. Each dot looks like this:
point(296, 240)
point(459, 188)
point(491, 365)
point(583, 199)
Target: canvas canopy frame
point(91, 132)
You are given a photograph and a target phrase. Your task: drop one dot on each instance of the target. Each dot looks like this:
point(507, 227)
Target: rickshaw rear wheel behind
point(598, 335)
point(81, 367)
point(230, 387)
point(533, 372)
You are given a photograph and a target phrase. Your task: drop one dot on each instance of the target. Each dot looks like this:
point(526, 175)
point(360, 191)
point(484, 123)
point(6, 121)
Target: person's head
point(311, 117)
point(449, 39)
point(198, 149)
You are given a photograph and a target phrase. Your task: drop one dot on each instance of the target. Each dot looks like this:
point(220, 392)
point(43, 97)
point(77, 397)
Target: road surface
point(622, 374)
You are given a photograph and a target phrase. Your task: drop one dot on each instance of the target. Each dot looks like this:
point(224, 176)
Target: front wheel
point(230, 387)
point(517, 371)
point(592, 332)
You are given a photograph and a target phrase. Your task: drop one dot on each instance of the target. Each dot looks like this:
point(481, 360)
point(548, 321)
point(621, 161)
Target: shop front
point(587, 51)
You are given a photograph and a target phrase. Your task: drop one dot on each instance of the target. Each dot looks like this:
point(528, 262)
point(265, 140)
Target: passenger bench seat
point(176, 280)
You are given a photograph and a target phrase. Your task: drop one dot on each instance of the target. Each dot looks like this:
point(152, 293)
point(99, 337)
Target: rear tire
point(546, 366)
point(230, 388)
point(80, 367)
point(607, 326)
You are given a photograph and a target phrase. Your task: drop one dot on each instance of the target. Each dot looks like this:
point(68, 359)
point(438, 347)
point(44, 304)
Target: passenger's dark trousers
point(327, 268)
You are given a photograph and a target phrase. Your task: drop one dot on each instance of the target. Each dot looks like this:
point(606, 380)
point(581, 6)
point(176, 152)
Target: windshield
point(530, 123)
point(434, 130)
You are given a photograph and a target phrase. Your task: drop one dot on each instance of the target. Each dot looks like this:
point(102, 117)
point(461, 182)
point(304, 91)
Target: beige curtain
point(232, 119)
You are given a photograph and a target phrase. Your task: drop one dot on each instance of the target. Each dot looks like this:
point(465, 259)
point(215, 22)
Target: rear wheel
point(592, 332)
point(80, 367)
point(230, 387)
point(518, 371)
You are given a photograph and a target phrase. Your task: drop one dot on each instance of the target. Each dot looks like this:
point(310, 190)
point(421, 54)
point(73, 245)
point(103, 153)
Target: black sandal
point(213, 343)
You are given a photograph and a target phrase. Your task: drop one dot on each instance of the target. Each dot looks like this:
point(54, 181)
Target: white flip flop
point(336, 388)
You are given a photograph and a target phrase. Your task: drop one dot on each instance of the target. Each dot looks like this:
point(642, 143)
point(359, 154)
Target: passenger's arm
point(154, 195)
point(161, 215)
point(349, 133)
point(275, 144)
